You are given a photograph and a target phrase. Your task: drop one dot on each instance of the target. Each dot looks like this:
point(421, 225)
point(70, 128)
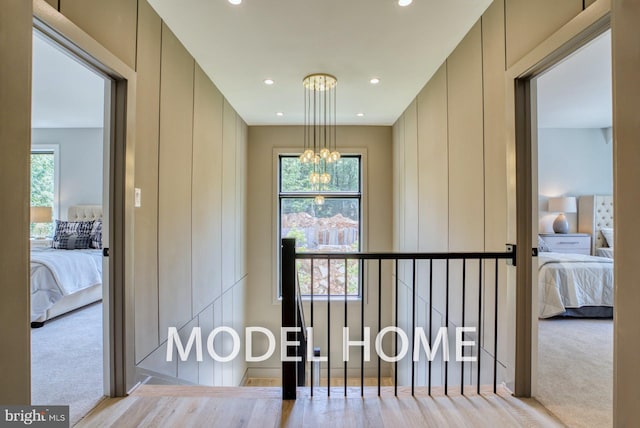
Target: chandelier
point(319, 128)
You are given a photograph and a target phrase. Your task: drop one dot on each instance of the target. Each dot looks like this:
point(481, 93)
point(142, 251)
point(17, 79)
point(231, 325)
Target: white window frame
point(347, 151)
point(55, 149)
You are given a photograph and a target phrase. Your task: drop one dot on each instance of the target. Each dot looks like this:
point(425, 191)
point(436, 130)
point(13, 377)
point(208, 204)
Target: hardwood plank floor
point(262, 407)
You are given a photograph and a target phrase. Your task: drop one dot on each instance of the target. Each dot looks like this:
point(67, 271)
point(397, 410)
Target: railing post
point(288, 287)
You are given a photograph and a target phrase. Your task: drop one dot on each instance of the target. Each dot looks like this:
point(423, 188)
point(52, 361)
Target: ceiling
point(577, 92)
point(65, 93)
point(355, 40)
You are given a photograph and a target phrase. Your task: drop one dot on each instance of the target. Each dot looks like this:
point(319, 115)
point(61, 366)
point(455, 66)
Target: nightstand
point(576, 243)
point(40, 242)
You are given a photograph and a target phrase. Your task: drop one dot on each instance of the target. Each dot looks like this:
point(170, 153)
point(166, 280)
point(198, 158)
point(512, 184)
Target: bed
point(581, 285)
point(63, 280)
point(575, 285)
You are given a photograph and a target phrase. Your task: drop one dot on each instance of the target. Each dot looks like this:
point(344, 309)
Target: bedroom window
point(44, 186)
point(334, 226)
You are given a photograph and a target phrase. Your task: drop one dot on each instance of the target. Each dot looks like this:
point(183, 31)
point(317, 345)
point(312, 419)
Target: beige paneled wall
point(528, 23)
point(462, 179)
point(112, 23)
point(147, 136)
point(264, 309)
point(206, 198)
point(200, 156)
point(191, 166)
point(174, 196)
point(466, 144)
point(15, 139)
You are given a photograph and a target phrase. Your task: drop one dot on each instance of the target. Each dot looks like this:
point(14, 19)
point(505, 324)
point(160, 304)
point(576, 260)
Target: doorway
point(552, 53)
point(573, 140)
point(70, 188)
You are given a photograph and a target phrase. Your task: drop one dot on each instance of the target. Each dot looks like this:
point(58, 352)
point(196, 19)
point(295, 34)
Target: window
point(44, 186)
point(333, 226)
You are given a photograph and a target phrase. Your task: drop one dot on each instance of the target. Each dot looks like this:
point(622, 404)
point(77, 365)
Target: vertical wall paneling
point(238, 324)
point(217, 321)
point(206, 201)
point(397, 173)
point(112, 23)
point(411, 173)
point(16, 21)
point(495, 167)
point(205, 368)
point(240, 194)
point(433, 165)
point(411, 216)
point(229, 128)
point(146, 178)
point(528, 23)
point(188, 369)
point(174, 216)
point(226, 342)
point(494, 127)
point(433, 199)
point(466, 151)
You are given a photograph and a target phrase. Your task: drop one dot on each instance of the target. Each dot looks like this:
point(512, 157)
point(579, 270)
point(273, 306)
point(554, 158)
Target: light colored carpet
point(575, 370)
point(66, 361)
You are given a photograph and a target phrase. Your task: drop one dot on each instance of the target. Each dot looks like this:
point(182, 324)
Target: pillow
point(608, 235)
point(543, 247)
point(73, 241)
point(65, 228)
point(96, 234)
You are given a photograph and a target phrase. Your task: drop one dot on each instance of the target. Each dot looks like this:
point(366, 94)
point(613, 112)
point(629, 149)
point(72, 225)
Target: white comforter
point(58, 273)
point(573, 281)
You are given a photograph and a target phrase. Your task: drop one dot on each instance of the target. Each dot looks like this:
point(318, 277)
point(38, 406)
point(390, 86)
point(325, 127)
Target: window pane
point(331, 227)
point(345, 175)
point(42, 188)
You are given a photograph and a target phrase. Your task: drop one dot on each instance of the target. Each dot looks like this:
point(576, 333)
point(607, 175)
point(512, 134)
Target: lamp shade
point(563, 205)
point(41, 214)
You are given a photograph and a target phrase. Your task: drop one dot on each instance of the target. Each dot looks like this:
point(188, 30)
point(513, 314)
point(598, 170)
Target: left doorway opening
point(69, 193)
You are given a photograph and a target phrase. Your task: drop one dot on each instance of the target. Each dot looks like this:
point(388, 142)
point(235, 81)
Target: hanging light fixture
point(320, 128)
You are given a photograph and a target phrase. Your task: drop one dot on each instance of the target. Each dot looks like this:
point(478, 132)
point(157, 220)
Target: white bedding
point(573, 281)
point(58, 273)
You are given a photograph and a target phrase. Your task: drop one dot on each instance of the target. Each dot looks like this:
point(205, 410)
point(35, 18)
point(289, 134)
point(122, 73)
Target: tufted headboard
point(594, 213)
point(84, 212)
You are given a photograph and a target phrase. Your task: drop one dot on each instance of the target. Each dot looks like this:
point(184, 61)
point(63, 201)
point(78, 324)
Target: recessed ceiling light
point(269, 81)
point(402, 3)
point(360, 114)
point(279, 113)
point(237, 2)
point(374, 81)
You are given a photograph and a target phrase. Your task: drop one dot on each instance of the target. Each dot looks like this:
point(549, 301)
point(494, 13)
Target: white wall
point(572, 162)
point(80, 152)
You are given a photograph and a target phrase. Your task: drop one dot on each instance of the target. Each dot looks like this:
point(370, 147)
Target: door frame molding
point(119, 299)
point(589, 24)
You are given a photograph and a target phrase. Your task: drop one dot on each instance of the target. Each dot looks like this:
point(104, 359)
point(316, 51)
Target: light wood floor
point(198, 406)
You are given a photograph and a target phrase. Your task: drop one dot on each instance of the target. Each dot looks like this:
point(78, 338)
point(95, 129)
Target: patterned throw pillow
point(65, 228)
point(96, 235)
point(72, 241)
